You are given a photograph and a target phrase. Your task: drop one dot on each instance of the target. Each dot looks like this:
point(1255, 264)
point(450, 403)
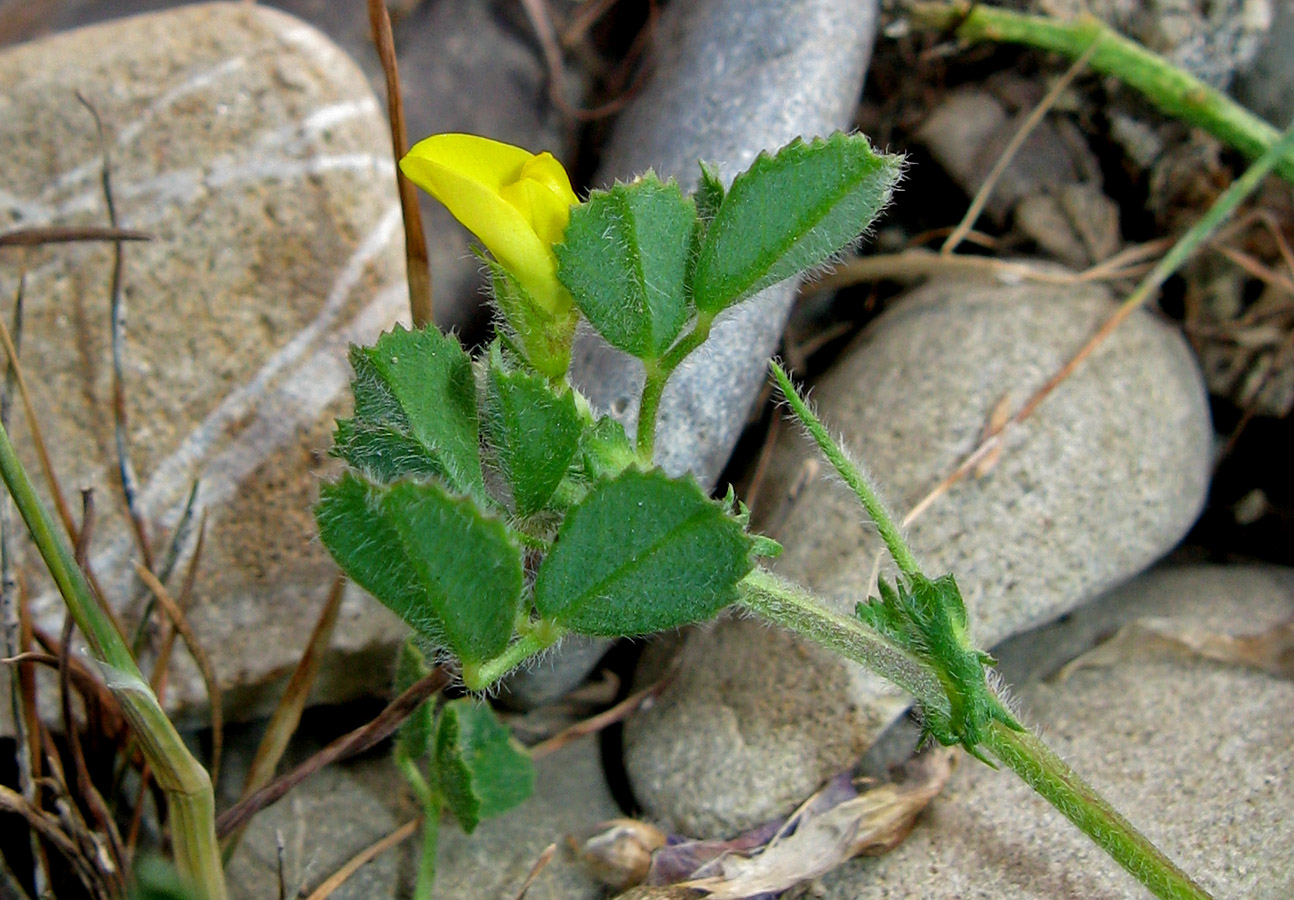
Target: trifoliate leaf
point(625, 259)
point(481, 771)
point(444, 567)
point(415, 411)
point(790, 212)
point(642, 552)
point(534, 430)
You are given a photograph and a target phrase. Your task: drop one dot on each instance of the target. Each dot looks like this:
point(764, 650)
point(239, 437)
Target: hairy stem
point(851, 474)
point(1025, 754)
point(190, 799)
point(430, 801)
point(658, 373)
point(537, 638)
point(1174, 91)
point(795, 609)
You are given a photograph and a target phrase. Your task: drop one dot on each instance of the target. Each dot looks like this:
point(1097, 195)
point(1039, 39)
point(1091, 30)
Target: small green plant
point(495, 511)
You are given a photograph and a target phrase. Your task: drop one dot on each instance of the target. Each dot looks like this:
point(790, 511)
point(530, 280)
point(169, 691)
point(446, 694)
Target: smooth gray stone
point(733, 77)
point(1267, 87)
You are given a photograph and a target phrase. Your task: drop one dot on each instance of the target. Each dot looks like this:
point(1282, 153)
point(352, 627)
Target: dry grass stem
point(369, 853)
point(383, 726)
point(181, 624)
point(417, 263)
point(1013, 147)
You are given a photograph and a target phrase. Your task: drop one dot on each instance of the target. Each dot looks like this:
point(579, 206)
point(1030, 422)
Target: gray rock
point(1267, 86)
point(323, 823)
point(255, 152)
point(733, 77)
point(343, 809)
point(1195, 753)
point(1106, 476)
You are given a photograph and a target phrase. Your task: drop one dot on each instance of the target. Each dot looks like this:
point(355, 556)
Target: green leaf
point(415, 411)
point(437, 561)
point(625, 261)
point(709, 193)
point(790, 212)
point(535, 431)
point(481, 771)
point(413, 740)
point(607, 451)
point(155, 878)
point(641, 553)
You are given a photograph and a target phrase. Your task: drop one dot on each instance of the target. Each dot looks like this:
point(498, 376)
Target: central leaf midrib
point(805, 227)
point(595, 590)
point(630, 224)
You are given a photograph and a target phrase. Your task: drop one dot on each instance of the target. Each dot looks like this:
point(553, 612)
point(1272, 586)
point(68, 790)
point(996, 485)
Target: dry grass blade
point(68, 234)
point(161, 666)
point(117, 329)
point(17, 638)
point(417, 264)
point(37, 438)
point(369, 853)
point(287, 714)
point(1017, 141)
point(51, 831)
point(545, 857)
point(604, 719)
point(181, 624)
point(551, 47)
point(584, 19)
point(1256, 269)
point(357, 741)
point(114, 869)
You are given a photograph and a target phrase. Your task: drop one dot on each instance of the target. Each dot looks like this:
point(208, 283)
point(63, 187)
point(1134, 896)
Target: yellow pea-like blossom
point(516, 202)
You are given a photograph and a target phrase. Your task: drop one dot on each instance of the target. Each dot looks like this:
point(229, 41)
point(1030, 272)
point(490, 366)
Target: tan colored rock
point(255, 153)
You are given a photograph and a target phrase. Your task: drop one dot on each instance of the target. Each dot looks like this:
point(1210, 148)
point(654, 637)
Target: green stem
point(431, 804)
point(1280, 151)
point(422, 888)
point(190, 799)
point(658, 373)
point(1174, 91)
point(1025, 754)
point(851, 474)
point(795, 609)
point(539, 637)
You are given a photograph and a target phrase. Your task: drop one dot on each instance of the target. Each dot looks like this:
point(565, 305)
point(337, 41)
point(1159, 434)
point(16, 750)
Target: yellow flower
point(515, 202)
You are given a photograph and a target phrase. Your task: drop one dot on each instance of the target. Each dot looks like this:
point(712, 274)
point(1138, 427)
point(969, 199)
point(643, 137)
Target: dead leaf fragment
point(1270, 651)
point(870, 823)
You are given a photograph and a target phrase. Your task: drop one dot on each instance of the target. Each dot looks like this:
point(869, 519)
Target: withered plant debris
point(1270, 650)
point(831, 827)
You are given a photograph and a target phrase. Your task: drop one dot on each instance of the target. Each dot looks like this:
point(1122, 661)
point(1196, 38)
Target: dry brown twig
point(417, 263)
point(362, 858)
point(357, 741)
